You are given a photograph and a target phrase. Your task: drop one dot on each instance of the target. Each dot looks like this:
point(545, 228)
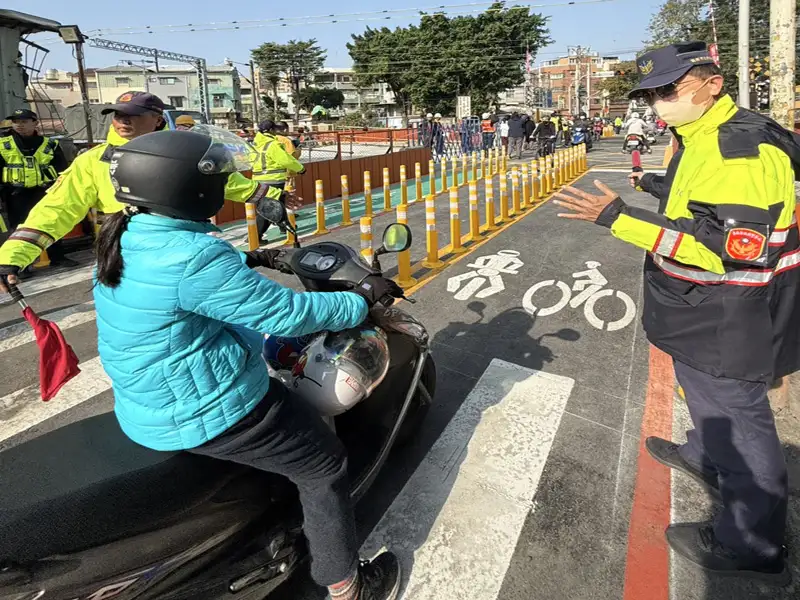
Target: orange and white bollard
point(320, 197)
point(455, 223)
point(489, 192)
point(404, 278)
point(346, 202)
point(366, 239)
point(387, 190)
point(367, 194)
point(252, 228)
point(474, 216)
point(418, 182)
point(431, 236)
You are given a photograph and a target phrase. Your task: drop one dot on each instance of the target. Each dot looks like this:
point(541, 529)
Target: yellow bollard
point(403, 185)
point(503, 197)
point(346, 202)
point(474, 167)
point(483, 164)
point(432, 177)
point(431, 237)
point(290, 237)
point(554, 170)
point(584, 159)
point(474, 217)
point(455, 223)
point(444, 173)
point(367, 194)
point(542, 184)
point(534, 181)
point(515, 205)
point(387, 190)
point(570, 163)
point(526, 190)
point(404, 279)
point(489, 191)
point(320, 194)
point(455, 171)
point(252, 228)
point(366, 239)
point(464, 169)
point(418, 182)
point(548, 174)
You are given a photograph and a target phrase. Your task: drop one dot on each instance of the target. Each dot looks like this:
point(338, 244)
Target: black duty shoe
point(379, 578)
point(667, 454)
point(64, 262)
point(697, 543)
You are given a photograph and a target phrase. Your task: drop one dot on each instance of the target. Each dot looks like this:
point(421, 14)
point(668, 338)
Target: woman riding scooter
point(181, 316)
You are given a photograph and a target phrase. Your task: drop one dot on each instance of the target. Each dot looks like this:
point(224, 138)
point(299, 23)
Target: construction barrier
point(404, 278)
point(431, 237)
point(320, 194)
point(455, 223)
point(366, 239)
point(474, 217)
point(252, 227)
point(345, 202)
point(367, 194)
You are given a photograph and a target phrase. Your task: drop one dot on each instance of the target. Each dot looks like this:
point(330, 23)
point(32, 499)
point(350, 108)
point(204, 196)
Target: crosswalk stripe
point(455, 524)
point(24, 408)
point(18, 334)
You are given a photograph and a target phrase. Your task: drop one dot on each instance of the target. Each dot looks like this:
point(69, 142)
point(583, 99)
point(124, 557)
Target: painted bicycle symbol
point(590, 287)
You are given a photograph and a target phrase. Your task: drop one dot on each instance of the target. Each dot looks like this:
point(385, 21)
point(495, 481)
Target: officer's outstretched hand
point(586, 206)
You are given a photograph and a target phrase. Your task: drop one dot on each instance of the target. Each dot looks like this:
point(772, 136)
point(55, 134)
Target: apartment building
point(559, 76)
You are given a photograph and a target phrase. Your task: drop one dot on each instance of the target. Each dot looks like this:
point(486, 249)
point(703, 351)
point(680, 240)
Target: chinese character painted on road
point(488, 269)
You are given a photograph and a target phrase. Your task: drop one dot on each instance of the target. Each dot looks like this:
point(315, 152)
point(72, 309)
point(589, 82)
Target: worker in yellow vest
point(272, 163)
point(30, 164)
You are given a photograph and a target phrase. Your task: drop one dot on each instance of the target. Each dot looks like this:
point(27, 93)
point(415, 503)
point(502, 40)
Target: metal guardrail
point(356, 143)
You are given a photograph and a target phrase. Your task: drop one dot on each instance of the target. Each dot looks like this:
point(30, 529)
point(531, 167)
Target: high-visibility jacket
point(289, 145)
point(28, 171)
point(722, 276)
point(86, 184)
point(272, 161)
point(487, 126)
point(618, 122)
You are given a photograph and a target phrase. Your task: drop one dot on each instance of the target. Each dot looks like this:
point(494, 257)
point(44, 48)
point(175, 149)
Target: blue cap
point(668, 64)
point(22, 113)
point(135, 103)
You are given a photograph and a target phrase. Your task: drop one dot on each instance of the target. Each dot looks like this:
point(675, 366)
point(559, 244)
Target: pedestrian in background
point(722, 298)
point(503, 127)
point(516, 135)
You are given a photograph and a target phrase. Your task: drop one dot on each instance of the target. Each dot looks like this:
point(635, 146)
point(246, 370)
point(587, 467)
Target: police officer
point(87, 184)
point(271, 165)
point(722, 297)
point(30, 163)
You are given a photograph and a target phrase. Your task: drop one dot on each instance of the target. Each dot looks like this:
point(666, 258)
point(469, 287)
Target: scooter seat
point(86, 484)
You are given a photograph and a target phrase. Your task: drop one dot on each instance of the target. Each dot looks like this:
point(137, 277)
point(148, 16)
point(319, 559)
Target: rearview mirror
point(396, 238)
point(271, 210)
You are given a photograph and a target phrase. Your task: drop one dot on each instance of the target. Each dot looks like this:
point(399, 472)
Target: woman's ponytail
point(109, 247)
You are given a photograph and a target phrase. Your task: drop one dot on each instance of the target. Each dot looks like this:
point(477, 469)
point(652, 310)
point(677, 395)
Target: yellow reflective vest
point(722, 283)
point(28, 171)
point(271, 160)
point(86, 184)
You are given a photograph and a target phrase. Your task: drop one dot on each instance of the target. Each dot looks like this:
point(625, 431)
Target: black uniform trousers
point(734, 437)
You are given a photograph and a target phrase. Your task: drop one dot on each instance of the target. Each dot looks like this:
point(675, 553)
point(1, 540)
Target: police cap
point(668, 64)
point(22, 113)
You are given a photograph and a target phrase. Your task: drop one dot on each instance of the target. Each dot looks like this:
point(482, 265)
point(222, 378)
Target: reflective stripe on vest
point(746, 277)
point(263, 173)
point(32, 236)
point(28, 171)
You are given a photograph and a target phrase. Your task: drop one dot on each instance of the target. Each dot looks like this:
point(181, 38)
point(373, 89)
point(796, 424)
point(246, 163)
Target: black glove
point(5, 271)
point(266, 258)
point(374, 289)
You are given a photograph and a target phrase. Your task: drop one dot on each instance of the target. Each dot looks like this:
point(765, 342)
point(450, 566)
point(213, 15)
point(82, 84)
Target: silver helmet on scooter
point(338, 370)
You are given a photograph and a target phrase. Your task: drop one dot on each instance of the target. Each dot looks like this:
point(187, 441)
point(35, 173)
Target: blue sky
point(608, 27)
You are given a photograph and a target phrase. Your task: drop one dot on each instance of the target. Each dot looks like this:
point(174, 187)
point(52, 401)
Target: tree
point(624, 80)
point(678, 21)
point(296, 62)
point(276, 114)
point(325, 97)
point(431, 63)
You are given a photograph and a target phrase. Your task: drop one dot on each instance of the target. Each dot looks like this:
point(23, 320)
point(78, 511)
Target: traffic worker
point(271, 165)
point(87, 184)
point(722, 297)
point(487, 129)
point(30, 163)
point(292, 146)
point(184, 123)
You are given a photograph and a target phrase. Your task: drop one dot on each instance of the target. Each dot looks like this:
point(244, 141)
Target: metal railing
point(356, 143)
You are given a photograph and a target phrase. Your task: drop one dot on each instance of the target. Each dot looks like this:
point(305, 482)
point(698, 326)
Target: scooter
point(546, 147)
point(633, 143)
point(580, 136)
point(651, 137)
point(86, 514)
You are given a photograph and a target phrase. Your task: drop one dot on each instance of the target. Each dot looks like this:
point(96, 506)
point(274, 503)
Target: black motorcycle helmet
point(179, 174)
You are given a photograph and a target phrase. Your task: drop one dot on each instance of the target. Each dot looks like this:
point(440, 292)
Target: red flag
point(57, 360)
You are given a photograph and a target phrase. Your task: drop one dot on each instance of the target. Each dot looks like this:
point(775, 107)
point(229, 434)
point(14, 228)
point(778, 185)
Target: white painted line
point(456, 522)
point(24, 408)
point(18, 334)
point(659, 171)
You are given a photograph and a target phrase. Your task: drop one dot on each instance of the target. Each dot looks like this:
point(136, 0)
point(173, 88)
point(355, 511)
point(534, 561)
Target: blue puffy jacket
point(180, 337)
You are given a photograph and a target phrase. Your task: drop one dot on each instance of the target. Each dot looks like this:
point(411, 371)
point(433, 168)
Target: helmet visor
point(227, 152)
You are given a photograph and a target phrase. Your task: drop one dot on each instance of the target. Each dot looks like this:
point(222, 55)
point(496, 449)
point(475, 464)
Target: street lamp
point(71, 34)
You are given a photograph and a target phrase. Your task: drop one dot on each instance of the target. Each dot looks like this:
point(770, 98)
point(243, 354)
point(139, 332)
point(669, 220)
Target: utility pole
point(254, 93)
point(783, 32)
point(87, 115)
point(744, 53)
point(589, 89)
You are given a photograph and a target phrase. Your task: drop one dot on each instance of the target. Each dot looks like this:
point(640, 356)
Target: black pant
point(18, 203)
point(284, 435)
point(261, 223)
point(734, 436)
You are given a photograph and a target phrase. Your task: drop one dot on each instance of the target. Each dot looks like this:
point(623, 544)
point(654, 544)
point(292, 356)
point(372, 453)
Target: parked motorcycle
point(86, 514)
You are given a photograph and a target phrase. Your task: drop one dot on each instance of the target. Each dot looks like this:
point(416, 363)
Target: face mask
point(682, 110)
